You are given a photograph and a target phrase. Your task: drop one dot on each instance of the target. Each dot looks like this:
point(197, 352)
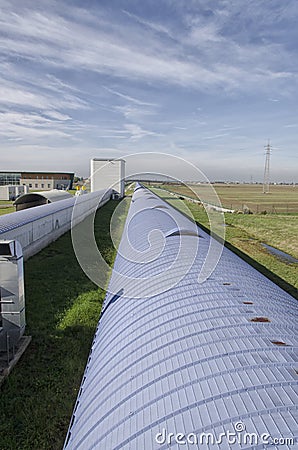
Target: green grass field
point(246, 232)
point(281, 199)
point(6, 207)
point(6, 210)
point(62, 311)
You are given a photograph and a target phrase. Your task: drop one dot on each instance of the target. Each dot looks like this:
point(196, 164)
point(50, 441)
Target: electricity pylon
point(266, 182)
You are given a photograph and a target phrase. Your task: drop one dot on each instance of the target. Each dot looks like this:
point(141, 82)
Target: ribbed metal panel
point(51, 196)
point(195, 358)
point(16, 219)
point(35, 228)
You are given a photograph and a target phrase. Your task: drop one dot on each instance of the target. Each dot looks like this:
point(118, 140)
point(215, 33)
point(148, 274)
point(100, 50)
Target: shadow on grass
point(62, 310)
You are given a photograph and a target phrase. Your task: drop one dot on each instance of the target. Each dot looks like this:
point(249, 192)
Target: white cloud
point(136, 132)
point(216, 136)
point(134, 113)
point(54, 41)
point(27, 126)
point(17, 96)
point(157, 27)
point(129, 98)
point(291, 125)
point(89, 77)
point(57, 115)
point(21, 94)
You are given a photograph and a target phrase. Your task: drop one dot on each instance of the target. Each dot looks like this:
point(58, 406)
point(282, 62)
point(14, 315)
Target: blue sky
point(208, 81)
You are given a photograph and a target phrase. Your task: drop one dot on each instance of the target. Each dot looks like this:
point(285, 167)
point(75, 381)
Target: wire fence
point(264, 208)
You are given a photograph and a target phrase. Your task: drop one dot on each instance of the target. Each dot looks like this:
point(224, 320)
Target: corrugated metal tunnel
point(171, 355)
point(35, 228)
point(32, 199)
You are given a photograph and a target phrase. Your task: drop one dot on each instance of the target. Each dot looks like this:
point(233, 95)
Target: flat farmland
point(281, 198)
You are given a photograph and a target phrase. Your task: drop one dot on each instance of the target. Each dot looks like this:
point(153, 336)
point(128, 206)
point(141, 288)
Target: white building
point(38, 180)
point(11, 192)
point(108, 174)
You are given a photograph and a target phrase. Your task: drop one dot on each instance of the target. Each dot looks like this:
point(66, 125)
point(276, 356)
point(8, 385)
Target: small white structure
point(108, 174)
point(12, 298)
point(11, 192)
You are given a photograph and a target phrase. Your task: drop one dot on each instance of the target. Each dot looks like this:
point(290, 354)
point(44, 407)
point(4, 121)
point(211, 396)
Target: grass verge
point(6, 207)
point(62, 310)
point(7, 210)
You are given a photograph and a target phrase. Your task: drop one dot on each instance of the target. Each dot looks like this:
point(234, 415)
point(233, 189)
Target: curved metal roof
point(191, 359)
point(16, 219)
point(51, 196)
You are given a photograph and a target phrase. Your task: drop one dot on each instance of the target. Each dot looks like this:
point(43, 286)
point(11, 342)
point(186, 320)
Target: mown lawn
point(6, 207)
point(62, 310)
point(7, 210)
